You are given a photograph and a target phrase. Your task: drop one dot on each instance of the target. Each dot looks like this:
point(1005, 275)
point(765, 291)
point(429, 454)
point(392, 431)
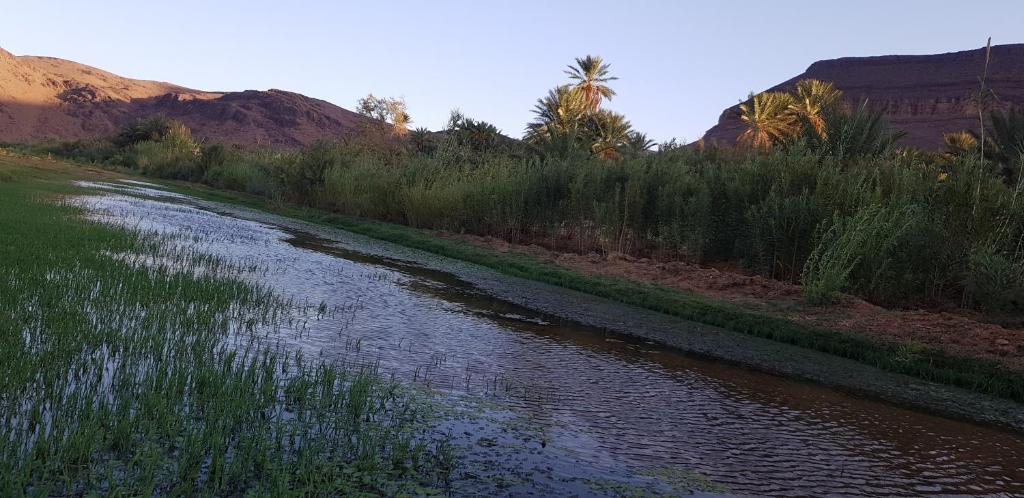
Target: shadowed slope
point(50, 98)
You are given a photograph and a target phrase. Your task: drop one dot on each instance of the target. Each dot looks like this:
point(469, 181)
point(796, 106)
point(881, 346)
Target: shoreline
point(498, 276)
point(952, 331)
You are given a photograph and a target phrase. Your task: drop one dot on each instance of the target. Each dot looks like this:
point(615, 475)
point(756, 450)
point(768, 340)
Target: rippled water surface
point(592, 402)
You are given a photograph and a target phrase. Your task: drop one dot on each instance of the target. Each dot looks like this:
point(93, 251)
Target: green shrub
point(994, 282)
point(846, 243)
point(151, 129)
point(165, 160)
point(363, 186)
point(781, 233)
point(302, 174)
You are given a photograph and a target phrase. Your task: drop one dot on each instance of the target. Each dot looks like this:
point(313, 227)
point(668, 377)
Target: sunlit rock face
point(49, 98)
point(923, 95)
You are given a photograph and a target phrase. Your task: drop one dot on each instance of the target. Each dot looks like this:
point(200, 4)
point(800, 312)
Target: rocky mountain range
point(923, 95)
point(49, 98)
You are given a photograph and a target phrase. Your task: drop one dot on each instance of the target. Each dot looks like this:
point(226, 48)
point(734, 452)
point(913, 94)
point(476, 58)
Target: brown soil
point(951, 332)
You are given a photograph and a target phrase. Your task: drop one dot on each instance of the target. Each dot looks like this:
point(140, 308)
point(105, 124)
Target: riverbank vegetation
point(816, 191)
point(119, 378)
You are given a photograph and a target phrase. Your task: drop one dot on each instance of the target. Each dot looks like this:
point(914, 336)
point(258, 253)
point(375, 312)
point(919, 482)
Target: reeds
point(765, 210)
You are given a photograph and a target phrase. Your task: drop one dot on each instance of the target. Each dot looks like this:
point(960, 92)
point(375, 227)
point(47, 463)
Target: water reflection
point(609, 399)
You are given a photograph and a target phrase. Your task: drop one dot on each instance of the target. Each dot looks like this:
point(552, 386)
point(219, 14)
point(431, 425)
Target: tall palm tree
point(559, 112)
point(591, 75)
point(769, 118)
point(813, 99)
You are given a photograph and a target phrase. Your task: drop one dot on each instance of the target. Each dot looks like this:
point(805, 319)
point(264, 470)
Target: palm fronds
point(768, 118)
point(815, 98)
point(591, 74)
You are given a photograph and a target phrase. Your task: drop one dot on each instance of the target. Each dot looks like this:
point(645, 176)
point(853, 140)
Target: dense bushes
point(896, 228)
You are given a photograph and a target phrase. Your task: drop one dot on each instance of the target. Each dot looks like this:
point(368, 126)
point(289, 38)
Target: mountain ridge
point(923, 95)
point(51, 98)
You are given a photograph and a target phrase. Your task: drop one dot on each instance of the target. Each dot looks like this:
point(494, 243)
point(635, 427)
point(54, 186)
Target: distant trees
point(814, 115)
point(387, 109)
point(571, 114)
point(638, 144)
point(152, 128)
point(1006, 141)
point(1003, 142)
point(480, 136)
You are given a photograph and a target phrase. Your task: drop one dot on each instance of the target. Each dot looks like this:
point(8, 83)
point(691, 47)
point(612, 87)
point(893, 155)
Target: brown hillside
point(923, 95)
point(49, 98)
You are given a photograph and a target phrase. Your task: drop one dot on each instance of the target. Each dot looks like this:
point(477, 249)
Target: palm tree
point(813, 99)
point(560, 112)
point(959, 143)
point(637, 144)
point(861, 132)
point(769, 118)
point(480, 135)
point(610, 131)
point(1005, 142)
point(1007, 135)
point(591, 75)
point(422, 140)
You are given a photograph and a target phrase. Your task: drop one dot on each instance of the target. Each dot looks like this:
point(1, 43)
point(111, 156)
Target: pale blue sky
point(680, 63)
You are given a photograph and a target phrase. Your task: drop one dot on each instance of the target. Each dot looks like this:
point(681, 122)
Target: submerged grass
point(124, 379)
point(977, 374)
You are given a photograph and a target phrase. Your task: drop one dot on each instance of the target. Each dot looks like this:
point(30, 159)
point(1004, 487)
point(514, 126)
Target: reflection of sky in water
point(612, 401)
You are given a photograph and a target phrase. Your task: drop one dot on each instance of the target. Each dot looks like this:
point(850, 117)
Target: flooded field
point(539, 404)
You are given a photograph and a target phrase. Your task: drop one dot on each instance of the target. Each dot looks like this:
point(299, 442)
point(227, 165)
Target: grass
point(120, 379)
point(930, 364)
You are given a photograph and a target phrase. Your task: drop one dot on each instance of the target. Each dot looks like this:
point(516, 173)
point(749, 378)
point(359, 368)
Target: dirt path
point(950, 332)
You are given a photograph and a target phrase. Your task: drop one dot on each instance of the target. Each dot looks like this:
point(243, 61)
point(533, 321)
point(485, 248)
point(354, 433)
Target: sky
point(679, 63)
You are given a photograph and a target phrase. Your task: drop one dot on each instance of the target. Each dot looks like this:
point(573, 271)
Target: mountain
point(50, 98)
point(923, 95)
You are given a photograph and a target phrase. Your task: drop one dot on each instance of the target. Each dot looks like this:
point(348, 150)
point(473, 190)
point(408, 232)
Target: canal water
point(543, 405)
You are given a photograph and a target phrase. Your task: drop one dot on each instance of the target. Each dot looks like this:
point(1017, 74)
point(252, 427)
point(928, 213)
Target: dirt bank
point(954, 333)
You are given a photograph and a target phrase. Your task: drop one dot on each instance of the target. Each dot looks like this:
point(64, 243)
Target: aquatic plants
point(119, 377)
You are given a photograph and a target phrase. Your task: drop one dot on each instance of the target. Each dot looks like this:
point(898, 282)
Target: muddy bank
point(955, 333)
